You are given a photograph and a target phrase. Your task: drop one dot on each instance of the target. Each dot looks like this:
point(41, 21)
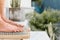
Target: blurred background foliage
point(45, 21)
point(15, 3)
point(39, 21)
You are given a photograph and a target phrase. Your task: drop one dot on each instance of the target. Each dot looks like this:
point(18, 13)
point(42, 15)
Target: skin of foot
point(5, 27)
point(11, 22)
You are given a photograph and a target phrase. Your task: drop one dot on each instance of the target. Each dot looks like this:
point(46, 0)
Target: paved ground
point(39, 35)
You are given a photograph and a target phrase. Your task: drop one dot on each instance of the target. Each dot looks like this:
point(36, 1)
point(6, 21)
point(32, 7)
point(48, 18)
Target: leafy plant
point(44, 21)
point(40, 21)
point(15, 3)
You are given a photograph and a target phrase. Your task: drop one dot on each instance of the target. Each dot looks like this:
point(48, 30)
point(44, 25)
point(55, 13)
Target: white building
point(25, 6)
point(24, 3)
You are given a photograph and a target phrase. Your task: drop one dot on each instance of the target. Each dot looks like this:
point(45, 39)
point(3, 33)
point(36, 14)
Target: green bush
point(39, 21)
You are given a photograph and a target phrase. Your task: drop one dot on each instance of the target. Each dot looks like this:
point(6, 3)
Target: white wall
point(26, 3)
point(7, 2)
point(6, 10)
point(25, 8)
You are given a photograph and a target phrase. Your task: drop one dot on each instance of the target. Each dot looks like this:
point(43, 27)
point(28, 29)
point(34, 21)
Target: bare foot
point(5, 27)
point(11, 22)
point(5, 24)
